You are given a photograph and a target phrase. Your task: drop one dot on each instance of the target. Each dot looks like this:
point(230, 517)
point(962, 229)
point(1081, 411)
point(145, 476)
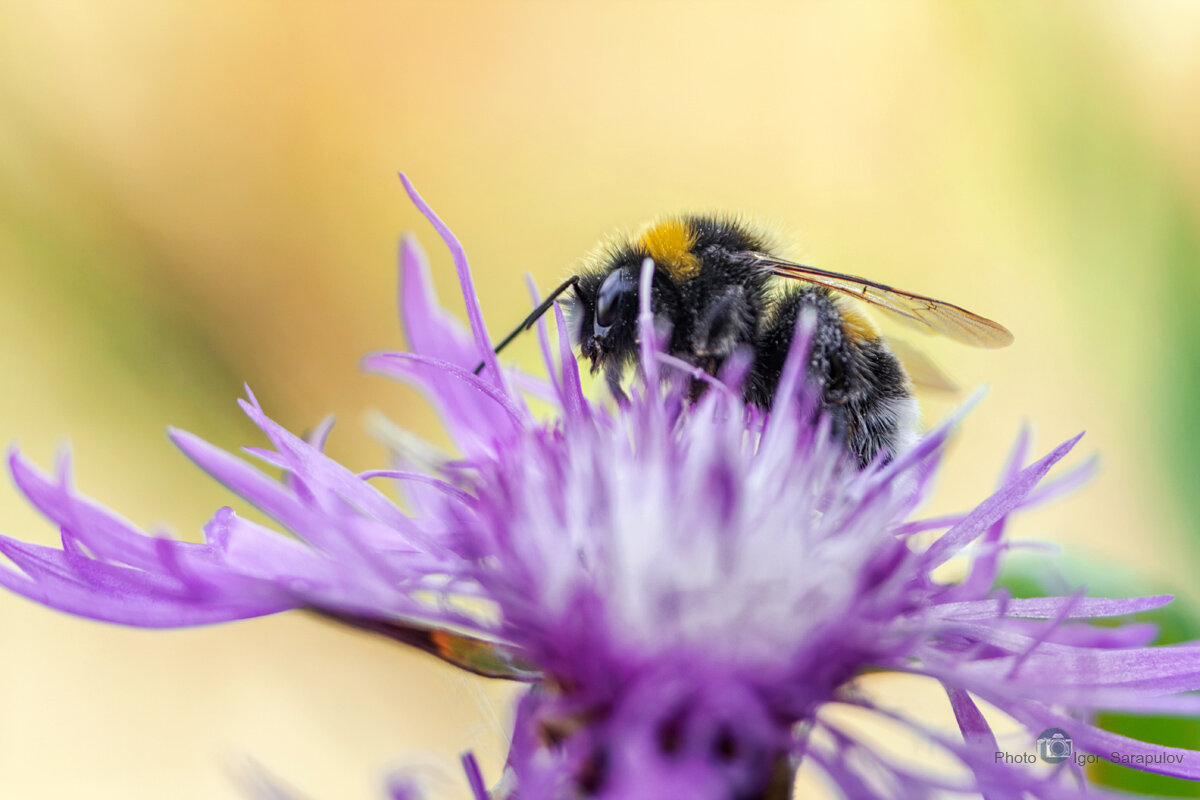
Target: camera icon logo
point(1054, 746)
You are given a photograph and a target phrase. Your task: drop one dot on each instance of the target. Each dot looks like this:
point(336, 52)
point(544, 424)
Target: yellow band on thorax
point(670, 243)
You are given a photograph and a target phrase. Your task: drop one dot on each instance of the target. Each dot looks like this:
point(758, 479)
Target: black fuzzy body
point(863, 387)
point(725, 303)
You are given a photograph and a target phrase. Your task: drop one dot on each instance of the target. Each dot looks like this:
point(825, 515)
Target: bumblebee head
point(691, 257)
point(603, 314)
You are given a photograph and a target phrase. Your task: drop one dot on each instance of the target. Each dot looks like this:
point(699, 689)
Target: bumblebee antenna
point(533, 317)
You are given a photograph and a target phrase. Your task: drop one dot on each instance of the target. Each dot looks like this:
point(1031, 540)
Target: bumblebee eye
point(606, 310)
point(608, 299)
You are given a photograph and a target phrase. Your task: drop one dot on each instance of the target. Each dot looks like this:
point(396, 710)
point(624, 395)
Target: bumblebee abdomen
point(861, 383)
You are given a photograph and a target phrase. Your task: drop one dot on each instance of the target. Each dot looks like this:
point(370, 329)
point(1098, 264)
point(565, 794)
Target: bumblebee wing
point(922, 370)
point(924, 312)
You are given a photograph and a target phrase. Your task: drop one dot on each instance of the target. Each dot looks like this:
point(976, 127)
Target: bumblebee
point(716, 287)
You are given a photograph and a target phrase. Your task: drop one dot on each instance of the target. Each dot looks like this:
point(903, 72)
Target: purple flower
point(688, 587)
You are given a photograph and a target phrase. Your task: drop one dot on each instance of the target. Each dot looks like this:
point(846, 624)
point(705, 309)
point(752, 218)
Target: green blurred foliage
point(1177, 410)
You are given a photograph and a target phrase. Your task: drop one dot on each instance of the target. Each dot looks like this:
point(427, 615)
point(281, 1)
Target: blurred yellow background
point(197, 195)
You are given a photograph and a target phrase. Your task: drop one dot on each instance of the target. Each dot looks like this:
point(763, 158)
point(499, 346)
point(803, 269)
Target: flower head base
point(687, 585)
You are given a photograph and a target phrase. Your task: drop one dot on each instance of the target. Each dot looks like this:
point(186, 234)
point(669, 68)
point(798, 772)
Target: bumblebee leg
point(726, 323)
point(613, 373)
